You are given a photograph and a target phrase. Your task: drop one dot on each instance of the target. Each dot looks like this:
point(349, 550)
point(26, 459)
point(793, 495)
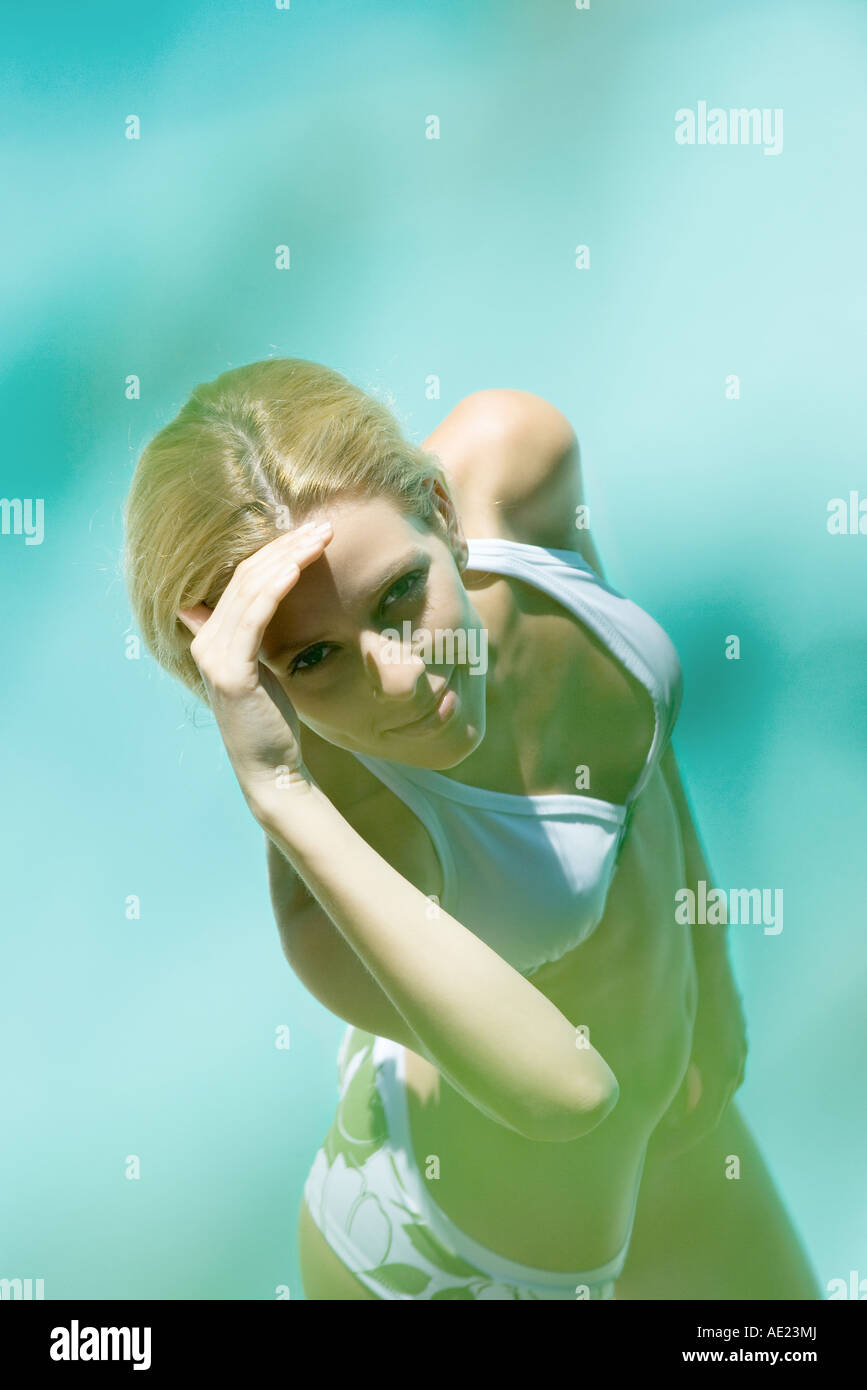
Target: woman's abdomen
point(632, 987)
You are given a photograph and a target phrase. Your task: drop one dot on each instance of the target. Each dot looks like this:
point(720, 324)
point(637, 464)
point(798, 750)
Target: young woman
point(456, 737)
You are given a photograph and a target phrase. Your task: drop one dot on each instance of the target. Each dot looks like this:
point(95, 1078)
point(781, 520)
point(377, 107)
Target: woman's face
point(374, 631)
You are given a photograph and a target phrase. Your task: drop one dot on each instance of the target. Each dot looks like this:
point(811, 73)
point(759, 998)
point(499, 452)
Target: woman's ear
point(451, 521)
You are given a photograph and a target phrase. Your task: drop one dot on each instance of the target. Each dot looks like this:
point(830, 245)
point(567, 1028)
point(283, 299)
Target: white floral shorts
point(370, 1202)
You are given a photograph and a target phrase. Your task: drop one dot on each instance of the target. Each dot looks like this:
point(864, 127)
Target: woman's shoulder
point(514, 465)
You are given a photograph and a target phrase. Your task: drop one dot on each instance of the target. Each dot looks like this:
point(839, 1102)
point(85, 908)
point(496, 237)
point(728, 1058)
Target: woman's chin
point(440, 749)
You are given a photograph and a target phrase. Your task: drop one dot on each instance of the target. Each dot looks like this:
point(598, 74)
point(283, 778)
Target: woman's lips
point(446, 702)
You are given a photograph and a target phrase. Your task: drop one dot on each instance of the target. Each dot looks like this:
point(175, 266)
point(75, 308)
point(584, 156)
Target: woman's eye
point(300, 663)
point(415, 583)
point(409, 586)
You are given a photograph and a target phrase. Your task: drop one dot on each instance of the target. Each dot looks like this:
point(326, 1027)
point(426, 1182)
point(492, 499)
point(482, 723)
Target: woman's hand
point(717, 1062)
point(258, 725)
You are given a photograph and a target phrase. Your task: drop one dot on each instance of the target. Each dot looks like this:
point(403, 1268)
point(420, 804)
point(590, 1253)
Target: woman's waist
point(554, 1205)
point(631, 995)
point(550, 1206)
point(647, 1048)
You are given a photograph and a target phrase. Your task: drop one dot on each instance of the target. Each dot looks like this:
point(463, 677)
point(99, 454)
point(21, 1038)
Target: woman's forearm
point(497, 1038)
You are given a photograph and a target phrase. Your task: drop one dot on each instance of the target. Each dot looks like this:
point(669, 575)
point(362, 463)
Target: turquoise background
point(260, 126)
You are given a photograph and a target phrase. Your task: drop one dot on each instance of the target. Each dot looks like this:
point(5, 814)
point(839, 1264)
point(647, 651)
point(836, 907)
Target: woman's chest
point(629, 987)
point(576, 727)
point(563, 714)
point(636, 962)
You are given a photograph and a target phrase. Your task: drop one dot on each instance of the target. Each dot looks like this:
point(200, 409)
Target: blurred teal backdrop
point(412, 257)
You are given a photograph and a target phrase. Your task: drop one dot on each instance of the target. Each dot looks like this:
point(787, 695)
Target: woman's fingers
point(297, 548)
point(195, 617)
point(250, 599)
point(694, 1085)
point(697, 1123)
point(254, 619)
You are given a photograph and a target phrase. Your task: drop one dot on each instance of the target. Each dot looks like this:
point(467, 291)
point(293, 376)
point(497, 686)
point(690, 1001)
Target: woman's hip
point(369, 1203)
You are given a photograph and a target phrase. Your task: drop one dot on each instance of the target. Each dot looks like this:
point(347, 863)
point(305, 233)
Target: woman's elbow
point(560, 1126)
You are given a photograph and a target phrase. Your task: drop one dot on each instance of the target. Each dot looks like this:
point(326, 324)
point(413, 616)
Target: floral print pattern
point(359, 1201)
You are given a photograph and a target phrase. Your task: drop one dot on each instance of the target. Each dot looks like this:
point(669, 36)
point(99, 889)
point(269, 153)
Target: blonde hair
point(208, 489)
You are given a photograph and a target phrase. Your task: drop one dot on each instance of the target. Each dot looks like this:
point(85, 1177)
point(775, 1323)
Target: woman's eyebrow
point(414, 559)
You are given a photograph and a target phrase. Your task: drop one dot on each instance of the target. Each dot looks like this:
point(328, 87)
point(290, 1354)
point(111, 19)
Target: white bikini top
point(530, 875)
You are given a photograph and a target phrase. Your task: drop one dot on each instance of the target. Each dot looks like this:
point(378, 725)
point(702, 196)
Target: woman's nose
point(393, 667)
